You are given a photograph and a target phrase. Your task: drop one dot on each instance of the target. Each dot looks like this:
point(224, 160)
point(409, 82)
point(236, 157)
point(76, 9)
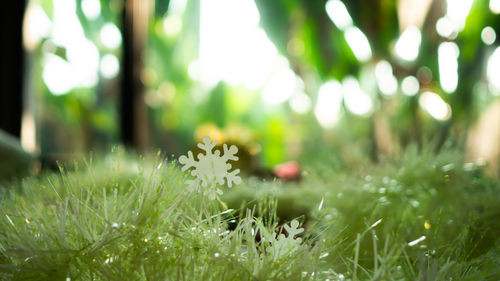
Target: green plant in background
point(407, 97)
point(332, 71)
point(339, 39)
point(74, 51)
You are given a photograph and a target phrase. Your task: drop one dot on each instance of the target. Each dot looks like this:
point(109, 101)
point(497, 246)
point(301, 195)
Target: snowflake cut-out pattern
point(211, 170)
point(282, 245)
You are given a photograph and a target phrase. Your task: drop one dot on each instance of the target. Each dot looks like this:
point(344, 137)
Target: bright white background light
point(410, 85)
point(110, 66)
point(300, 103)
point(111, 36)
point(338, 14)
point(82, 64)
point(84, 57)
point(488, 35)
point(356, 100)
point(358, 43)
point(37, 25)
point(408, 44)
point(237, 53)
point(435, 106)
point(445, 28)
point(457, 12)
point(386, 81)
point(172, 25)
point(495, 6)
point(58, 74)
point(493, 70)
point(91, 9)
point(329, 104)
point(448, 66)
point(280, 87)
point(177, 6)
point(66, 27)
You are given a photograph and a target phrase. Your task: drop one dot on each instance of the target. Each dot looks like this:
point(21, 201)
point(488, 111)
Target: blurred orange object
point(288, 170)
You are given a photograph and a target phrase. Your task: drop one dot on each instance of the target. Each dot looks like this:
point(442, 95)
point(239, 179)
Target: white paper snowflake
point(211, 170)
point(282, 245)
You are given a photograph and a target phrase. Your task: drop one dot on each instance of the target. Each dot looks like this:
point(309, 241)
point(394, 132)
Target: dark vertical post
point(11, 66)
point(133, 115)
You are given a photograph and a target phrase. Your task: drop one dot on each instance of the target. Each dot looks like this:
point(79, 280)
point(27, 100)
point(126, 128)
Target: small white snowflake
point(211, 170)
point(281, 245)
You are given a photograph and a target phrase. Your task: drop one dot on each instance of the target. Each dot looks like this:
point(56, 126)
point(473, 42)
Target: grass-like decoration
point(424, 217)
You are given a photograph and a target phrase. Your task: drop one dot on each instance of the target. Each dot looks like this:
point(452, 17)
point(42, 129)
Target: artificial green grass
point(126, 219)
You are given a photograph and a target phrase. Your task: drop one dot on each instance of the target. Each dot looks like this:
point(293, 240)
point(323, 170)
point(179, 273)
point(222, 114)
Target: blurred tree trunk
point(11, 66)
point(134, 120)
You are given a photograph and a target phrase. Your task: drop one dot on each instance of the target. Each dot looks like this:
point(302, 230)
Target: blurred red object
point(288, 170)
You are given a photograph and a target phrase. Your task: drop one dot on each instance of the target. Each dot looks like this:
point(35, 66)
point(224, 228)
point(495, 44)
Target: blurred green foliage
point(86, 118)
